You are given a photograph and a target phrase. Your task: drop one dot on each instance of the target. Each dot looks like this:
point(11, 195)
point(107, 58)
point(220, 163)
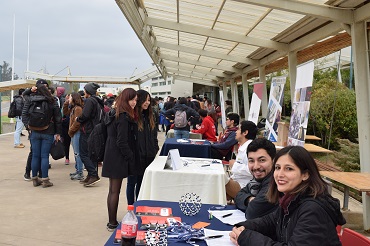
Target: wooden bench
point(357, 181)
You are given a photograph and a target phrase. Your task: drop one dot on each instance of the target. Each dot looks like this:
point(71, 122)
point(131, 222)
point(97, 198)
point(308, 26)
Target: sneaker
point(27, 177)
point(92, 181)
point(66, 162)
point(19, 146)
point(85, 180)
point(111, 227)
point(78, 176)
point(22, 135)
point(73, 174)
point(22, 144)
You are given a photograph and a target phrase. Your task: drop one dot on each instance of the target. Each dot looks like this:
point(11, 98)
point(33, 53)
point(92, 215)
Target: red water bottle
point(129, 227)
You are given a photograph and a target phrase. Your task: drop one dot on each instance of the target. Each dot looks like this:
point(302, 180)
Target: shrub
point(348, 158)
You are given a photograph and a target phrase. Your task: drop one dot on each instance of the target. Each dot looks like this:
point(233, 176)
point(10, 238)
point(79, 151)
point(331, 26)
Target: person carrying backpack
point(17, 104)
point(91, 116)
point(41, 114)
point(121, 158)
point(181, 114)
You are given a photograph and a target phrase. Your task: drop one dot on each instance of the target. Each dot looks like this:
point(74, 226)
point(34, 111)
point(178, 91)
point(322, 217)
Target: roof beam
point(207, 53)
point(362, 13)
point(318, 11)
point(330, 29)
point(229, 36)
point(195, 80)
point(195, 70)
point(199, 63)
point(188, 73)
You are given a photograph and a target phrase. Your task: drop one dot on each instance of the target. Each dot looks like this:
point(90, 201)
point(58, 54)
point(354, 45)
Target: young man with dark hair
point(226, 141)
point(240, 174)
point(91, 113)
point(252, 198)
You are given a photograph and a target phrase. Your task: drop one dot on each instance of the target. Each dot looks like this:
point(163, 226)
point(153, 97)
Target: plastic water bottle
point(129, 227)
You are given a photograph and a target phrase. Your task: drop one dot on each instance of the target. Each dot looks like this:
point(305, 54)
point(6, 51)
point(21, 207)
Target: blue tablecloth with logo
point(201, 216)
point(191, 148)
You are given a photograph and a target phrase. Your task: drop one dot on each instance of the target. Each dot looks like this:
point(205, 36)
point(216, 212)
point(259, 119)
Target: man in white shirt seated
point(240, 174)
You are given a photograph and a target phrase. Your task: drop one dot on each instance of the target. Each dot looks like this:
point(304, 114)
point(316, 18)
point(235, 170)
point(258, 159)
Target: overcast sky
point(92, 37)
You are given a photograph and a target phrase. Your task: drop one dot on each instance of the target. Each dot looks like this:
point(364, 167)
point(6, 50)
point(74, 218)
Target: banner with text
point(255, 107)
point(301, 104)
point(274, 107)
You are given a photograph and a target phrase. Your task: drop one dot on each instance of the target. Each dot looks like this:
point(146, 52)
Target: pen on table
point(205, 165)
point(227, 215)
point(215, 236)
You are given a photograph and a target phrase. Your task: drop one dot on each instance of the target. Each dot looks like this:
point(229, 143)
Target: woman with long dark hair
point(147, 142)
point(307, 213)
point(43, 130)
point(121, 151)
point(73, 108)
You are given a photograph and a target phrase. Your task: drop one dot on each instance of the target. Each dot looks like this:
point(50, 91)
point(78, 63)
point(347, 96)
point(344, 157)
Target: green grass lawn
point(5, 118)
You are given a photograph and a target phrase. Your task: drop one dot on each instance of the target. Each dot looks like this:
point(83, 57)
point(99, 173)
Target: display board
point(301, 104)
point(274, 107)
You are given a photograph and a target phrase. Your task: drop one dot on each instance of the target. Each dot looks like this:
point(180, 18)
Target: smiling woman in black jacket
point(147, 143)
point(307, 213)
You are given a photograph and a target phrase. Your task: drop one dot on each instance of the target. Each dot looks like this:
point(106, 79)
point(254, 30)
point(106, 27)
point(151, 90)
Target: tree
point(328, 95)
point(7, 72)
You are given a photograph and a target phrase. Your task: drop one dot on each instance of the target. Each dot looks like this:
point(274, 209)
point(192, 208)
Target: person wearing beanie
point(91, 116)
point(91, 88)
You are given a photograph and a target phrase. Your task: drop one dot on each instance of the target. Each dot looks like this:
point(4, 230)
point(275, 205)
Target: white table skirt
point(168, 185)
point(192, 135)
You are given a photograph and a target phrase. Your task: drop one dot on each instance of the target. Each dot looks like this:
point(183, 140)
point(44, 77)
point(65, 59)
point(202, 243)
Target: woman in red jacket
point(207, 128)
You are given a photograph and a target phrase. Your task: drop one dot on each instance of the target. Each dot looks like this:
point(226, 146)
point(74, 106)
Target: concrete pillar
point(262, 74)
point(234, 95)
point(360, 38)
point(292, 62)
point(224, 90)
point(245, 95)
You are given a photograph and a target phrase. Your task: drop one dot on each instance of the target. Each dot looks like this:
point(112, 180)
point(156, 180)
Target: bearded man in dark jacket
point(252, 198)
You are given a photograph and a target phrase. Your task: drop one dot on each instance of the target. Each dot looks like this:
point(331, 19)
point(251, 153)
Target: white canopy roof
point(215, 40)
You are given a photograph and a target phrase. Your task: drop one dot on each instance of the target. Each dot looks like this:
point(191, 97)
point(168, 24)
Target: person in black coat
point(147, 142)
point(307, 213)
point(121, 157)
point(42, 136)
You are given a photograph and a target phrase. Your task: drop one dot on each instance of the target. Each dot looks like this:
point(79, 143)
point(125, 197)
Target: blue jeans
point(90, 166)
point(76, 149)
point(181, 134)
point(133, 188)
point(41, 144)
point(18, 130)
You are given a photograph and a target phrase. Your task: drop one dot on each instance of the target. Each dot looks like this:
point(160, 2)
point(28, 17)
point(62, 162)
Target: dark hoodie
point(91, 114)
point(308, 221)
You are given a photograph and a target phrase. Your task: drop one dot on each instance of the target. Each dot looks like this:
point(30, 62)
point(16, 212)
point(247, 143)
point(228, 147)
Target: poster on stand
point(301, 104)
point(255, 107)
point(274, 107)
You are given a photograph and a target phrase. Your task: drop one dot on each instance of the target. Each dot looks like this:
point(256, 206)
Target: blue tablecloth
point(189, 149)
point(201, 216)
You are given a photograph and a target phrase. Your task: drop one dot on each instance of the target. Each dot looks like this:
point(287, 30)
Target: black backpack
point(98, 136)
point(16, 107)
point(12, 110)
point(39, 116)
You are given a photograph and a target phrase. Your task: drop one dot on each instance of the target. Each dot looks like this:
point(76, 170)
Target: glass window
point(155, 84)
point(162, 83)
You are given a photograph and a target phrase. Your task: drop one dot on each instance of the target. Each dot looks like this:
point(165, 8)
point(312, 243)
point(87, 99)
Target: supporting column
point(292, 61)
point(360, 35)
point(233, 95)
point(224, 90)
point(262, 74)
point(245, 95)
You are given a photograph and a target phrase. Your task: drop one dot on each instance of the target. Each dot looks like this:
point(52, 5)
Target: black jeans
point(91, 166)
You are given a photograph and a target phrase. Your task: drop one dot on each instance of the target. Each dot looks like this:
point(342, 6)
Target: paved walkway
point(65, 214)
